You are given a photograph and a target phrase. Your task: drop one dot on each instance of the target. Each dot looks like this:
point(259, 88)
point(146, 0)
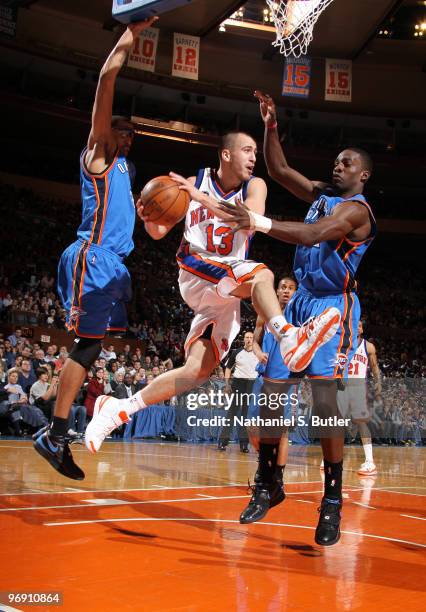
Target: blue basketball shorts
point(332, 359)
point(94, 286)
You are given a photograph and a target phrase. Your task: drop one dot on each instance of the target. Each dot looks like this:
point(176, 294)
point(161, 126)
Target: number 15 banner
point(338, 80)
point(144, 50)
point(297, 77)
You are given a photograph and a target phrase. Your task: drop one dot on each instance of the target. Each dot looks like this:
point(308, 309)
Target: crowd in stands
point(392, 298)
point(30, 372)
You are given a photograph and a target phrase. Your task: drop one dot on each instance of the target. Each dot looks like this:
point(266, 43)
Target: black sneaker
point(276, 493)
point(41, 431)
point(258, 506)
point(276, 488)
point(55, 449)
point(222, 445)
point(244, 449)
point(328, 530)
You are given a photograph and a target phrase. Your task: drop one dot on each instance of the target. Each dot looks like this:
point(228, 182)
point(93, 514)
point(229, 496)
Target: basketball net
point(294, 22)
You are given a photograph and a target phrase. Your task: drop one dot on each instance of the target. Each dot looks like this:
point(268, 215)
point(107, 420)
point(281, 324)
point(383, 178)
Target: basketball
point(163, 201)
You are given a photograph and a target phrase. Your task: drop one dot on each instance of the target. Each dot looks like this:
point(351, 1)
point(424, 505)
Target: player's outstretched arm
point(258, 334)
point(351, 220)
point(100, 133)
point(276, 163)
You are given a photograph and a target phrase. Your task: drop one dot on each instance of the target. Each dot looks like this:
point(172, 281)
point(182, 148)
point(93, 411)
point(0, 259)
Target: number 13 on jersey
point(224, 247)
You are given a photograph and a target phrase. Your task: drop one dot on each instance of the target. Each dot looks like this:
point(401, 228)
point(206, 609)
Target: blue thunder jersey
point(330, 267)
point(108, 216)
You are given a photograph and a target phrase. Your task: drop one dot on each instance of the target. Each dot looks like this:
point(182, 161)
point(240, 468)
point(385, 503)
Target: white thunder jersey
point(204, 234)
point(358, 366)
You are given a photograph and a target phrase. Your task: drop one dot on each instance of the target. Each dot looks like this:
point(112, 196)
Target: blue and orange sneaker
point(55, 449)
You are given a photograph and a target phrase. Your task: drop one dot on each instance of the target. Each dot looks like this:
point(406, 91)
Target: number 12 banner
point(186, 54)
point(144, 50)
point(297, 77)
point(338, 80)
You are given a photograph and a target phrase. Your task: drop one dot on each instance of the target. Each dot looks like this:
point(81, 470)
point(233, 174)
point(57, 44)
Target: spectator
point(108, 353)
point(118, 379)
point(18, 407)
point(9, 354)
point(43, 394)
point(26, 376)
point(15, 337)
point(38, 360)
point(126, 388)
point(95, 388)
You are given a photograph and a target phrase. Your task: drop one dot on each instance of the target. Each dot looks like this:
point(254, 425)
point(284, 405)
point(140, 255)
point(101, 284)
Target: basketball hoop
point(294, 22)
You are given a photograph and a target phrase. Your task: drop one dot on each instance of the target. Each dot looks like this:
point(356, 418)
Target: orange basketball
point(163, 201)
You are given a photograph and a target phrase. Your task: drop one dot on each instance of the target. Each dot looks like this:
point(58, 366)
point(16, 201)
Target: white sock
point(276, 325)
point(368, 450)
point(134, 404)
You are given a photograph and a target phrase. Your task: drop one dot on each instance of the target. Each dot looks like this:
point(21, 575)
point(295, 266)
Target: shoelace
point(309, 326)
point(251, 488)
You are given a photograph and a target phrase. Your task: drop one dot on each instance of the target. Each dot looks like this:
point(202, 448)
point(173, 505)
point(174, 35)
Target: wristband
point(261, 223)
point(272, 127)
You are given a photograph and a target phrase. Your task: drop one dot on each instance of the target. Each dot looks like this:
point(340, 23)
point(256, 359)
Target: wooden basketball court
point(155, 527)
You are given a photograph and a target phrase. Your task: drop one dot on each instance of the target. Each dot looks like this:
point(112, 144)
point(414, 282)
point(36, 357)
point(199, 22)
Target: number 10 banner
point(186, 54)
point(338, 80)
point(144, 50)
point(297, 77)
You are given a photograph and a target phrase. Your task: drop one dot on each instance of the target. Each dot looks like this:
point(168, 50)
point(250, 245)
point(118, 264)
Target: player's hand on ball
point(194, 193)
point(140, 211)
point(267, 107)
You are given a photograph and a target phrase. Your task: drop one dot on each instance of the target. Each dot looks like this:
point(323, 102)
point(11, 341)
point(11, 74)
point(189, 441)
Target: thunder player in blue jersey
point(93, 282)
point(273, 379)
point(338, 229)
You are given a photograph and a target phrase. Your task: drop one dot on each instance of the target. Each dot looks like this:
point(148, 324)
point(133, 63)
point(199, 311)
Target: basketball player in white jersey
point(352, 400)
point(214, 275)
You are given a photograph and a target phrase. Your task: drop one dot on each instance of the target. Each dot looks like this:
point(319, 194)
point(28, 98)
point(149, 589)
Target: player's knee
point(264, 275)
point(85, 351)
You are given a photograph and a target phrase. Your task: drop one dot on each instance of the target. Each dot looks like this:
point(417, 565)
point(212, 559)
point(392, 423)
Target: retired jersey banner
point(186, 54)
point(297, 77)
point(144, 50)
point(338, 80)
point(8, 17)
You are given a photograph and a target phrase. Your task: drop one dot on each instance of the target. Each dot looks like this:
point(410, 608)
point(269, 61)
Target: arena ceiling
point(347, 29)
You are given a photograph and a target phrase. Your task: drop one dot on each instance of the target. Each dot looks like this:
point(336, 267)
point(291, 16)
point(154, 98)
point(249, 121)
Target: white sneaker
point(368, 468)
point(108, 414)
point(299, 344)
point(322, 466)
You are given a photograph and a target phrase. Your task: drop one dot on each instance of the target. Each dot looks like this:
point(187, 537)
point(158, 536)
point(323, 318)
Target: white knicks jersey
point(358, 367)
point(204, 234)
